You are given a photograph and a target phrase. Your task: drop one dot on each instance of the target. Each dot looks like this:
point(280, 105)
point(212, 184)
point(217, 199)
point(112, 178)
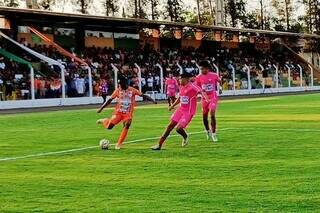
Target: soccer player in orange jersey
point(123, 112)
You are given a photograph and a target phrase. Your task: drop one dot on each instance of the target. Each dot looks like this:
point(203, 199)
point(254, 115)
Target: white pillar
point(233, 78)
point(300, 69)
point(161, 77)
point(248, 76)
point(180, 67)
point(139, 76)
point(90, 82)
point(289, 75)
point(199, 67)
point(115, 71)
point(63, 81)
point(32, 83)
point(263, 79)
point(277, 75)
point(311, 73)
point(216, 68)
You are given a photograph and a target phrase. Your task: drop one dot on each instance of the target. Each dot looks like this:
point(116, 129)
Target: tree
point(312, 16)
point(84, 4)
point(251, 21)
point(174, 10)
point(284, 11)
point(198, 11)
point(46, 4)
point(212, 11)
point(154, 9)
point(236, 10)
point(138, 8)
point(205, 12)
point(261, 14)
point(11, 3)
point(111, 7)
point(124, 15)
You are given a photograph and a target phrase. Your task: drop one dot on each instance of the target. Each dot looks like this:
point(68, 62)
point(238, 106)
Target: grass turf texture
point(260, 164)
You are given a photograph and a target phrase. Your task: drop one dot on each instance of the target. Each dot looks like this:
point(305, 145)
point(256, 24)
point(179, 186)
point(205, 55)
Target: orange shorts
point(117, 118)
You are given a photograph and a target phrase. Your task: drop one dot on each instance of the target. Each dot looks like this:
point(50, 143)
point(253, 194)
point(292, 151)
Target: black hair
point(123, 82)
point(186, 75)
point(205, 64)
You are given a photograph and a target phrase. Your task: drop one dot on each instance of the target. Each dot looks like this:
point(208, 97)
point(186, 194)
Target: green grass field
point(267, 159)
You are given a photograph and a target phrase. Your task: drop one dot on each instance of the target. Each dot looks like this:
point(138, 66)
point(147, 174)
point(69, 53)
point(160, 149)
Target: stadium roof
point(31, 16)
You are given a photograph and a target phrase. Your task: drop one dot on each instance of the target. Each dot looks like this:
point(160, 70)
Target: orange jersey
point(126, 100)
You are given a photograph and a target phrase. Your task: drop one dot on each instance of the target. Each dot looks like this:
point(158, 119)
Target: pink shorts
point(209, 106)
point(182, 118)
point(171, 93)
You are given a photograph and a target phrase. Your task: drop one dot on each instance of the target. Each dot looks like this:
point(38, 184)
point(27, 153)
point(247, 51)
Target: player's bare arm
point(148, 98)
point(205, 96)
point(220, 87)
point(107, 103)
point(174, 104)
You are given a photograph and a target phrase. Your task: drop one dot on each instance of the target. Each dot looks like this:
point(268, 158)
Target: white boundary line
point(84, 148)
point(146, 139)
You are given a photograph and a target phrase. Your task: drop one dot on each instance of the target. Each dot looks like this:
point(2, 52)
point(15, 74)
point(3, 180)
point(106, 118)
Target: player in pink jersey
point(171, 89)
point(208, 81)
point(183, 115)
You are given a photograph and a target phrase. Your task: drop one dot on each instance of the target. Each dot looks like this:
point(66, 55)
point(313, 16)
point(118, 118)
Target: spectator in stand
point(2, 90)
point(150, 82)
point(143, 84)
point(80, 85)
point(2, 64)
point(157, 82)
point(37, 87)
point(104, 87)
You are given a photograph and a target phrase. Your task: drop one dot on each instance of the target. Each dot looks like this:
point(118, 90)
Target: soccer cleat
point(100, 121)
point(117, 147)
point(156, 147)
point(214, 137)
point(209, 135)
point(185, 142)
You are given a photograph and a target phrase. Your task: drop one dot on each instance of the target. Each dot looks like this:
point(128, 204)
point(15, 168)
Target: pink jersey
point(208, 83)
point(172, 84)
point(188, 98)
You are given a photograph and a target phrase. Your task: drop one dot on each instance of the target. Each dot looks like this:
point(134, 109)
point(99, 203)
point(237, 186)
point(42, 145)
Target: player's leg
point(169, 101)
point(213, 107)
point(164, 136)
point(173, 99)
point(205, 115)
point(124, 133)
point(183, 123)
point(213, 125)
point(184, 134)
point(110, 123)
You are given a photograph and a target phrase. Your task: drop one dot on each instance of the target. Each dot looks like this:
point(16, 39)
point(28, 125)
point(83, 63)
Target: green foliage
point(174, 10)
point(137, 8)
point(154, 5)
point(84, 4)
point(312, 16)
point(236, 10)
point(111, 7)
point(46, 4)
point(11, 3)
point(250, 21)
point(284, 9)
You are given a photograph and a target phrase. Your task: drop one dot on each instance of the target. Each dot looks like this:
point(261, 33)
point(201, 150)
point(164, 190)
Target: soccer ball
point(104, 144)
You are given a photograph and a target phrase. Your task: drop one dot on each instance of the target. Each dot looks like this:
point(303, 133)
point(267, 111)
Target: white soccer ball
point(104, 144)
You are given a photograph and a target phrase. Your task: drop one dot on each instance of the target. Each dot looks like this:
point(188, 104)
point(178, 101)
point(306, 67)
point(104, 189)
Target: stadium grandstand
point(42, 51)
